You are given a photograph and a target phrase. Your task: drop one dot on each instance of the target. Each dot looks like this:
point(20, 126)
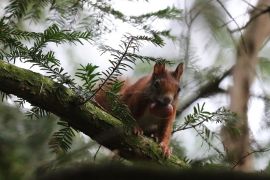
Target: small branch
point(228, 22)
point(251, 19)
point(95, 156)
point(232, 31)
point(228, 13)
point(112, 72)
point(248, 154)
point(209, 144)
point(209, 88)
point(254, 7)
point(189, 126)
point(189, 20)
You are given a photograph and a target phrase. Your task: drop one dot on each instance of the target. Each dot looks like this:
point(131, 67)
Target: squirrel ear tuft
point(178, 71)
point(159, 68)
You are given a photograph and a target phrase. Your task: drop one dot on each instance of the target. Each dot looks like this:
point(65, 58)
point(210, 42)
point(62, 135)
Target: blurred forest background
point(76, 42)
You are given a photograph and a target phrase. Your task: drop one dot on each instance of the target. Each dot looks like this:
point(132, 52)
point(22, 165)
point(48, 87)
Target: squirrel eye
point(179, 89)
point(156, 83)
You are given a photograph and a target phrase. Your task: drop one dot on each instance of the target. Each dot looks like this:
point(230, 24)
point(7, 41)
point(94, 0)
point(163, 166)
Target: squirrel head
point(165, 84)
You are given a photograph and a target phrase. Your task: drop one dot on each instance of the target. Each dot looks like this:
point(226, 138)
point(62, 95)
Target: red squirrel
point(152, 101)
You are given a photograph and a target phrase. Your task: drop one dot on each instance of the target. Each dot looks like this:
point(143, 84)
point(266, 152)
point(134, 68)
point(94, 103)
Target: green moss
point(97, 113)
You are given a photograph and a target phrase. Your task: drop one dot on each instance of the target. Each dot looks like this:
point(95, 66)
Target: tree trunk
point(237, 145)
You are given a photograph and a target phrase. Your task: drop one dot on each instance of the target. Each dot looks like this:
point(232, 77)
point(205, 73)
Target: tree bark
point(110, 132)
point(257, 31)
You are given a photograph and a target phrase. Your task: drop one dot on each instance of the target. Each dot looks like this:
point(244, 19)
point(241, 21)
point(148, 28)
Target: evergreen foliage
point(62, 139)
point(197, 119)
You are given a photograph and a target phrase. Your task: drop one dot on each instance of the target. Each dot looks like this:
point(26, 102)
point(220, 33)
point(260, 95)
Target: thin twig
point(191, 126)
point(248, 154)
point(251, 20)
point(111, 73)
point(231, 20)
point(95, 156)
point(254, 7)
point(229, 14)
point(209, 144)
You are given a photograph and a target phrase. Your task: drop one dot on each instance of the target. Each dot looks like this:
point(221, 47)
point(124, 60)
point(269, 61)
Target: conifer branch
point(89, 119)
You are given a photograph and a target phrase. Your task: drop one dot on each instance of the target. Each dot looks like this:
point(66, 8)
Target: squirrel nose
point(165, 100)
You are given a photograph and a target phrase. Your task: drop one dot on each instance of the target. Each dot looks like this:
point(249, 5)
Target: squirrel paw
point(137, 130)
point(166, 150)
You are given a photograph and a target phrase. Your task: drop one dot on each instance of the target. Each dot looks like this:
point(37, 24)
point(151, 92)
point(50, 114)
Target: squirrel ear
point(178, 71)
point(159, 68)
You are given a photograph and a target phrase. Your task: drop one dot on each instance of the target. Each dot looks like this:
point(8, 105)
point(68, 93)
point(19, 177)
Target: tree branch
point(209, 88)
point(110, 132)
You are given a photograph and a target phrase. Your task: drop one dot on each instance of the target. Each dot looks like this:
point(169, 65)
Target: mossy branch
point(43, 92)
